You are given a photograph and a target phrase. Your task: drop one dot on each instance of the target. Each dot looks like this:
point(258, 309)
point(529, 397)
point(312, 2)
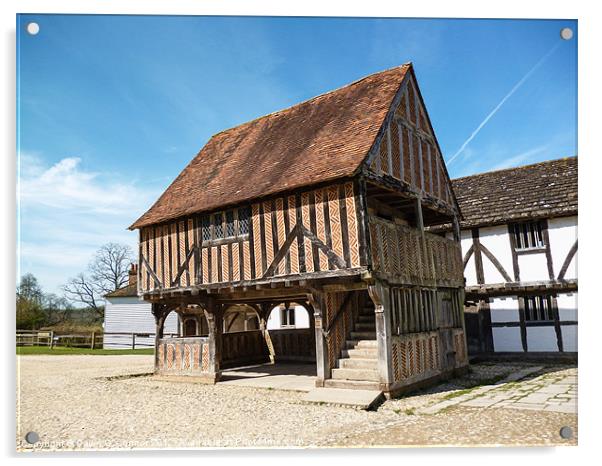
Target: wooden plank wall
point(408, 151)
point(244, 348)
point(298, 344)
point(312, 231)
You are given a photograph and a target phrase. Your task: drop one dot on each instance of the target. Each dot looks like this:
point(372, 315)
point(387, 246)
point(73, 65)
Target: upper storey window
point(528, 235)
point(225, 226)
point(244, 215)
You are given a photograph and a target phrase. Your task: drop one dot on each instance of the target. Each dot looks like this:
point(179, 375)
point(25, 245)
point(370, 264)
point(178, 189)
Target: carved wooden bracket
point(375, 292)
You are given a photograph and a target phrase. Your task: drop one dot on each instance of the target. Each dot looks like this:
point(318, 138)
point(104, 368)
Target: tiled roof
point(545, 189)
point(124, 292)
point(322, 139)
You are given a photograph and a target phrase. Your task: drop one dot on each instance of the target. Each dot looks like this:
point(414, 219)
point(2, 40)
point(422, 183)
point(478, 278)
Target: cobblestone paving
point(93, 402)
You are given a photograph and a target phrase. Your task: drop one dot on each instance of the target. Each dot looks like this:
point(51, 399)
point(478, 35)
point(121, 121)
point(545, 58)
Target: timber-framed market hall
point(326, 205)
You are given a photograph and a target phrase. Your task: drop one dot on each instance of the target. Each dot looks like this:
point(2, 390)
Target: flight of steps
point(358, 366)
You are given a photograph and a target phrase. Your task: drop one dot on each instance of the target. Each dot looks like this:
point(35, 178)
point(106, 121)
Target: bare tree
point(81, 289)
point(107, 272)
point(110, 267)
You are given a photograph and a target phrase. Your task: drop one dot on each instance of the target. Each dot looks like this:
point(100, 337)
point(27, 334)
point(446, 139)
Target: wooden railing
point(183, 356)
point(92, 340)
point(410, 257)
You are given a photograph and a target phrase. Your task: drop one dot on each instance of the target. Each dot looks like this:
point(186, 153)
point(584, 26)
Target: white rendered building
point(519, 246)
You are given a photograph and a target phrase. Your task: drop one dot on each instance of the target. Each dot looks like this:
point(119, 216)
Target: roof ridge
point(520, 167)
point(311, 99)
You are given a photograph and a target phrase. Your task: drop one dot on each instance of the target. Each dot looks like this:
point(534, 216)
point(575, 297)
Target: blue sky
point(111, 108)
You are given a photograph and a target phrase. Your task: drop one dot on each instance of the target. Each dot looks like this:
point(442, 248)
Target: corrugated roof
point(322, 139)
point(545, 189)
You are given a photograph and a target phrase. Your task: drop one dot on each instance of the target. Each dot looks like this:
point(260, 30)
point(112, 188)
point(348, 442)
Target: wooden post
point(379, 293)
point(456, 229)
point(160, 312)
point(316, 299)
point(93, 341)
point(133, 341)
point(214, 316)
point(51, 342)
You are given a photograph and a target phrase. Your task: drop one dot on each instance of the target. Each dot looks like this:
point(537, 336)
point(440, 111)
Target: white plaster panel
point(569, 337)
point(563, 234)
point(504, 310)
point(301, 318)
point(541, 339)
point(507, 339)
point(470, 271)
point(497, 241)
point(533, 267)
point(567, 306)
point(274, 319)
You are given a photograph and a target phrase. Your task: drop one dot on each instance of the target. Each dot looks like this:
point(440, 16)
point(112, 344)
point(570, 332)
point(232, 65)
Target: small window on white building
point(538, 309)
point(528, 235)
point(287, 317)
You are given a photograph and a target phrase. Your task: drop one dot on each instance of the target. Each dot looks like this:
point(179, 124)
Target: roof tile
point(322, 139)
point(542, 189)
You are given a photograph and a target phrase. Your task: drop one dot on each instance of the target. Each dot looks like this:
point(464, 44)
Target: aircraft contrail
point(506, 97)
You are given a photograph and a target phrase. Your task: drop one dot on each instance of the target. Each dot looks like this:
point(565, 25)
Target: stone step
point(351, 384)
point(360, 353)
point(356, 374)
point(358, 363)
point(353, 397)
point(365, 327)
point(363, 335)
point(365, 318)
point(357, 344)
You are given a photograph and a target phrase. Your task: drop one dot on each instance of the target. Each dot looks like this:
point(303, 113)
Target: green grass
point(457, 393)
point(60, 351)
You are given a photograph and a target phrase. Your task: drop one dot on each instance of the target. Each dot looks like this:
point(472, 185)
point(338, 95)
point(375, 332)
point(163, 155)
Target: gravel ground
point(90, 402)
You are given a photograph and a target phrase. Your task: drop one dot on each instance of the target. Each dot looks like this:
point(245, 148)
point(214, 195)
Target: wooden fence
point(93, 340)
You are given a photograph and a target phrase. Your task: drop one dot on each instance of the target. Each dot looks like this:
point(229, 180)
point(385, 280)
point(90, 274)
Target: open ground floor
point(114, 402)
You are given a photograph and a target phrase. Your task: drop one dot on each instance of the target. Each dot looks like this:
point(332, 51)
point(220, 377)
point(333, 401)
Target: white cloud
point(67, 212)
point(66, 186)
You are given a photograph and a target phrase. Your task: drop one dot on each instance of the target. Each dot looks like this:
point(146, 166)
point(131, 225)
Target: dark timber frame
point(482, 293)
point(332, 247)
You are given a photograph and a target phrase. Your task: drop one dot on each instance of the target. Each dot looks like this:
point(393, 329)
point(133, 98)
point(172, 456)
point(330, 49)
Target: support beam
point(323, 369)
point(214, 316)
point(160, 312)
point(380, 295)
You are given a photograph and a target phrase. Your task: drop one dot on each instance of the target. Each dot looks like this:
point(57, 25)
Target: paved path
point(551, 391)
point(294, 377)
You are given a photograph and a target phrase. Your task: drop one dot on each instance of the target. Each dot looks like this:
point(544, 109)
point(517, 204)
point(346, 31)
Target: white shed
point(128, 320)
